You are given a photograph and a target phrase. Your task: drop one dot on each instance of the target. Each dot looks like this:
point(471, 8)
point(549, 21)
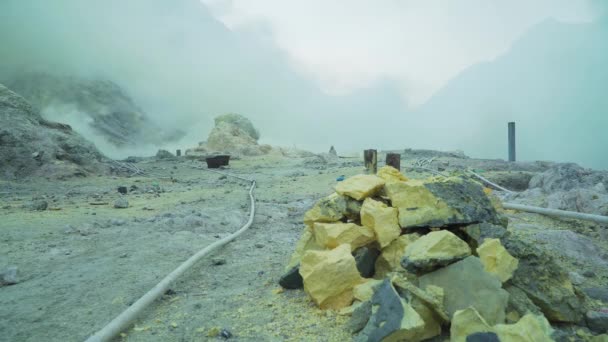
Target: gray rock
point(597, 321)
point(386, 319)
point(218, 261)
point(38, 205)
point(519, 301)
point(576, 278)
point(598, 293)
point(121, 203)
point(483, 337)
point(360, 317)
point(477, 233)
point(292, 279)
point(9, 276)
point(543, 279)
point(466, 283)
point(365, 258)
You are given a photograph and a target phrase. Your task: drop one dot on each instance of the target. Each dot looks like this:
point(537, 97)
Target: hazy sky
point(420, 44)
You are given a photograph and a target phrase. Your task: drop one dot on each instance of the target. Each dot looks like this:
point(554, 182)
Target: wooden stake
point(371, 161)
point(394, 160)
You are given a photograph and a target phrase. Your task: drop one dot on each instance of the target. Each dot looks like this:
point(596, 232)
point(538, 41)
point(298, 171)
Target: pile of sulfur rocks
point(410, 260)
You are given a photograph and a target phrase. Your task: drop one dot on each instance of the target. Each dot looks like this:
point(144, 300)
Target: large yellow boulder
point(307, 242)
point(438, 248)
point(360, 186)
point(496, 259)
point(390, 174)
point(382, 219)
point(331, 235)
point(390, 257)
point(330, 276)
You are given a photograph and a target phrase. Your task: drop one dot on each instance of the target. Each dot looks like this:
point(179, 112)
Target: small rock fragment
point(122, 190)
point(39, 205)
point(292, 279)
point(121, 203)
point(9, 276)
point(218, 261)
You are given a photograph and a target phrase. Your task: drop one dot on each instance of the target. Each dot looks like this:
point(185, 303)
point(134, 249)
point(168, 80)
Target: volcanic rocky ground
point(81, 261)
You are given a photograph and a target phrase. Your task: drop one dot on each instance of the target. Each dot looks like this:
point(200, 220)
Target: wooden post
point(511, 141)
point(178, 153)
point(370, 158)
point(394, 160)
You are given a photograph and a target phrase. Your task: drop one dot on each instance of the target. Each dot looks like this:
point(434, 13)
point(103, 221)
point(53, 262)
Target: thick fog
point(354, 74)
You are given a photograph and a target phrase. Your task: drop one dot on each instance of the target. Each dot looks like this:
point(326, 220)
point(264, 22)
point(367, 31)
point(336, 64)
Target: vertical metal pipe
point(511, 141)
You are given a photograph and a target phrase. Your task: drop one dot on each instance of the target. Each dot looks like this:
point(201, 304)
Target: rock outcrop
point(33, 146)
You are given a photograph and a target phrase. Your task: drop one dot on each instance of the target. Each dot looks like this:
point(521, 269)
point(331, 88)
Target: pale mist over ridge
point(183, 66)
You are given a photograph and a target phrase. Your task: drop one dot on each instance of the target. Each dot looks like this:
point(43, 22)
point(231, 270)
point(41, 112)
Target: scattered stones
point(331, 235)
point(382, 219)
point(292, 279)
point(465, 283)
point(218, 261)
point(330, 276)
point(434, 250)
point(360, 187)
point(438, 202)
point(597, 321)
point(496, 260)
point(392, 319)
point(38, 205)
point(121, 203)
point(9, 276)
point(365, 258)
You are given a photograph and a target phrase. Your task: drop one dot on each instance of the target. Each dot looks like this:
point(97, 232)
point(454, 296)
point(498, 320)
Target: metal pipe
point(556, 212)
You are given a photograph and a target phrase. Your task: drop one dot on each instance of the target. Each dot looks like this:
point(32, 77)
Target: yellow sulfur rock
point(382, 219)
point(330, 276)
point(530, 328)
point(390, 257)
point(328, 209)
point(466, 322)
point(365, 291)
point(307, 242)
point(390, 174)
point(360, 186)
point(432, 325)
point(496, 259)
point(331, 235)
point(435, 248)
